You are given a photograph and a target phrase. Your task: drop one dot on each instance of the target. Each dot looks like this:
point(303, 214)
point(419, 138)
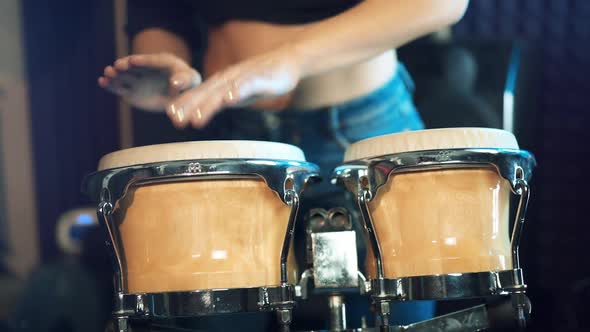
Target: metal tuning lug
point(122, 324)
point(382, 314)
point(284, 317)
point(522, 309)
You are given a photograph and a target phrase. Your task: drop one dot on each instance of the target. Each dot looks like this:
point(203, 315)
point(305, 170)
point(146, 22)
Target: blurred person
point(318, 74)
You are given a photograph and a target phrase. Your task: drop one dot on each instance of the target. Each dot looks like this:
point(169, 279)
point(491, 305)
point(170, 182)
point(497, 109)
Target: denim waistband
point(330, 119)
point(400, 76)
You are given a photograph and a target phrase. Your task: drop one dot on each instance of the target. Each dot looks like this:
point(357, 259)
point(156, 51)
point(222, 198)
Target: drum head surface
point(431, 139)
point(201, 150)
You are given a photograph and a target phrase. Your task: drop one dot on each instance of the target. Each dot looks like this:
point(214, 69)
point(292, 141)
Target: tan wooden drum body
point(443, 221)
point(201, 234)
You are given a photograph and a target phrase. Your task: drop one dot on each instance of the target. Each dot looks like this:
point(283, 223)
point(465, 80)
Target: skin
point(262, 71)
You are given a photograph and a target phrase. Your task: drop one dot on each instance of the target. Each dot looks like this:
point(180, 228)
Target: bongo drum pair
point(201, 228)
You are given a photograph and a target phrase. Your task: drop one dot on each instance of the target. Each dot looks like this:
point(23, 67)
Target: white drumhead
point(431, 139)
point(201, 150)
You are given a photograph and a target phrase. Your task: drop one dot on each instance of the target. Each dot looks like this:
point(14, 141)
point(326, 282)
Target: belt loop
point(335, 128)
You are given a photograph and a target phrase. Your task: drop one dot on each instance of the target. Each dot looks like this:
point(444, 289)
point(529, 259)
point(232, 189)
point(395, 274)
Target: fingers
point(108, 74)
point(109, 79)
point(116, 79)
point(162, 61)
point(122, 64)
point(194, 103)
point(177, 115)
point(197, 106)
point(204, 112)
point(186, 108)
point(103, 82)
point(184, 79)
point(149, 81)
point(159, 60)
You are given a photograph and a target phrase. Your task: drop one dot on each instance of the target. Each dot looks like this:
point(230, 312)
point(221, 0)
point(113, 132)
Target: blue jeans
point(324, 135)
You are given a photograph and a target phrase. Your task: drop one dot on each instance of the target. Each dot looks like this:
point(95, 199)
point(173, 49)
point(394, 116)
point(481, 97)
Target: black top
point(188, 18)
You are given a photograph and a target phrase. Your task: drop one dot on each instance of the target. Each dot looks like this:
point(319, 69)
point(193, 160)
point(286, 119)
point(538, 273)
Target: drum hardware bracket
point(292, 199)
point(520, 304)
point(331, 252)
point(372, 173)
point(449, 286)
point(280, 299)
point(364, 196)
point(382, 313)
point(306, 285)
point(335, 260)
point(284, 317)
point(522, 190)
point(284, 299)
point(302, 290)
point(121, 324)
point(280, 176)
point(104, 213)
point(364, 284)
point(337, 306)
point(332, 260)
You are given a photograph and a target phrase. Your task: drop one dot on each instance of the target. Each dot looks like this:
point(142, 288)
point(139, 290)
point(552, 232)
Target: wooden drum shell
point(202, 234)
point(442, 222)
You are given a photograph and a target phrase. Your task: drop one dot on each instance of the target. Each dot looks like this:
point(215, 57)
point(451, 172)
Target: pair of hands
point(164, 81)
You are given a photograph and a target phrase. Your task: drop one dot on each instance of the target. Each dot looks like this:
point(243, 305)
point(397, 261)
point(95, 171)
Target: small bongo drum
point(435, 205)
point(201, 227)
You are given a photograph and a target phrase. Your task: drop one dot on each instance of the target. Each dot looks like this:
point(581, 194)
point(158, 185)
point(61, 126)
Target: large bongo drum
point(435, 206)
point(201, 227)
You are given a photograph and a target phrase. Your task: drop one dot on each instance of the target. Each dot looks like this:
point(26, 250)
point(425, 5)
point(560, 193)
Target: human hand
point(149, 81)
point(255, 80)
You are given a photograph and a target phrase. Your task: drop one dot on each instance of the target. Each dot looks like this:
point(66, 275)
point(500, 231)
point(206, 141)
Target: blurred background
point(521, 65)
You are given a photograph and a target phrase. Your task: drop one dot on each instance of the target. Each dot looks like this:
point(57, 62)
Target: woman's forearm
point(370, 28)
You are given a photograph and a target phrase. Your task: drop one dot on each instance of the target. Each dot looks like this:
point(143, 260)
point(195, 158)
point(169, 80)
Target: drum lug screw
point(263, 297)
point(521, 306)
point(284, 317)
point(121, 324)
point(383, 312)
point(140, 308)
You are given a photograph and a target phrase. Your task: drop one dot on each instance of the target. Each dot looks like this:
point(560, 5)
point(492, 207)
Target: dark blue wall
point(556, 236)
point(73, 122)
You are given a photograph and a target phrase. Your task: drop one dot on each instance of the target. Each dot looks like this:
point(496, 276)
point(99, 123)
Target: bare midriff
point(236, 41)
point(197, 235)
point(442, 222)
